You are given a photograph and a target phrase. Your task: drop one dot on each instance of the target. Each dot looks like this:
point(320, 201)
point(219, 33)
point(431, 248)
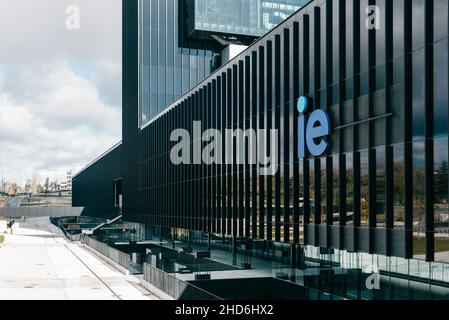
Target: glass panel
point(380, 77)
point(441, 207)
point(380, 34)
point(144, 62)
point(363, 36)
point(170, 52)
point(185, 70)
point(418, 18)
point(336, 187)
point(364, 189)
point(336, 43)
point(418, 94)
point(154, 97)
point(440, 19)
point(250, 17)
point(312, 190)
point(349, 89)
point(193, 68)
point(166, 69)
point(380, 188)
point(398, 188)
point(301, 198)
point(437, 271)
point(364, 78)
point(419, 200)
point(398, 70)
point(349, 41)
point(440, 70)
point(323, 190)
point(398, 28)
point(350, 188)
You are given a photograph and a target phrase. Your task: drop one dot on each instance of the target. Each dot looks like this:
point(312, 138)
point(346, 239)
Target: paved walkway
point(36, 262)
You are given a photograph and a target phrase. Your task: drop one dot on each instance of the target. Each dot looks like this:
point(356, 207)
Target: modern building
point(12, 188)
point(68, 180)
point(358, 93)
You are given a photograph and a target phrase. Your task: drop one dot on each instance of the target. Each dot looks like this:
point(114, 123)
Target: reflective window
point(398, 187)
point(441, 192)
point(418, 94)
point(144, 58)
point(349, 89)
point(323, 190)
point(364, 38)
point(162, 29)
point(312, 190)
point(185, 70)
point(336, 187)
point(418, 23)
point(193, 70)
point(419, 184)
point(380, 77)
point(380, 34)
point(300, 196)
point(166, 69)
point(349, 41)
point(336, 44)
point(380, 188)
point(364, 78)
point(350, 188)
point(364, 189)
point(398, 71)
point(398, 28)
point(323, 52)
point(440, 19)
point(301, 185)
point(250, 17)
point(440, 70)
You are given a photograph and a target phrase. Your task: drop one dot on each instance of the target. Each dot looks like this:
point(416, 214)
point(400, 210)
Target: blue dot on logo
point(302, 104)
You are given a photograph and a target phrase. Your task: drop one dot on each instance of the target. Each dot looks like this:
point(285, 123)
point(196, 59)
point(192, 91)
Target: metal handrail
point(119, 257)
point(173, 289)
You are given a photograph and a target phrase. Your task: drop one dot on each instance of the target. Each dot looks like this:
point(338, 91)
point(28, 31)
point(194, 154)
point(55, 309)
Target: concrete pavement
point(37, 263)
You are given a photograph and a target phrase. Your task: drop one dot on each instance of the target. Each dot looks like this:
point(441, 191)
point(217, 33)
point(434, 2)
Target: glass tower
point(172, 60)
point(250, 17)
point(169, 63)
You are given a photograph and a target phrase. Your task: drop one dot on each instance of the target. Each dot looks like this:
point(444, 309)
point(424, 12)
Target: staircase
point(107, 223)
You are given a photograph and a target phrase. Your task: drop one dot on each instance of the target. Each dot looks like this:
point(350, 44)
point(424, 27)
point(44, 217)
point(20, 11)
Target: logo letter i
point(302, 108)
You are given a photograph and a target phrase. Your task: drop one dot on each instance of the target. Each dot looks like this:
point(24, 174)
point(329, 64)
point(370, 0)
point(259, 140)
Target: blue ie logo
point(312, 130)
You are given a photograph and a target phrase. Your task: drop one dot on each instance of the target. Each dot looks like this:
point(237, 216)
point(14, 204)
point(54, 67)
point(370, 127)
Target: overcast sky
point(60, 89)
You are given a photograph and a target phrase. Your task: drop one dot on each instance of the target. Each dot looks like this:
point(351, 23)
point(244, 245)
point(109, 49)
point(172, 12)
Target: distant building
point(69, 180)
point(2, 186)
point(12, 188)
point(27, 188)
point(67, 184)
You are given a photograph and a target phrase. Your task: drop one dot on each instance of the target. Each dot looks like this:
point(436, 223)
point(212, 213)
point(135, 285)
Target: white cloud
point(60, 90)
point(64, 126)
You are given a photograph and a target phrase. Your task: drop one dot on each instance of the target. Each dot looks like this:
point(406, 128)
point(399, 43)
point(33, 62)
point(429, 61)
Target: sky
point(60, 87)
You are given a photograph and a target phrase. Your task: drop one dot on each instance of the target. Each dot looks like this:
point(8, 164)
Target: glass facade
point(170, 63)
point(236, 17)
point(384, 177)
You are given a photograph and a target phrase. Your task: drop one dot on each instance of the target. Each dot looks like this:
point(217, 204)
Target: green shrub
point(2, 238)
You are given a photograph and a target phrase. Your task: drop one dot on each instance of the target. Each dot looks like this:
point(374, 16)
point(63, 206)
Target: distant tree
point(47, 185)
